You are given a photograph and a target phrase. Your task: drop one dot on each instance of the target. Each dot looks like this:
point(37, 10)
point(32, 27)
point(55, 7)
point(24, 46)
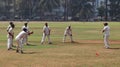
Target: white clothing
point(21, 35)
point(106, 36)
point(106, 41)
point(25, 28)
point(19, 39)
point(10, 38)
point(8, 27)
point(43, 38)
point(106, 30)
point(68, 32)
point(46, 30)
point(25, 39)
point(10, 30)
point(46, 33)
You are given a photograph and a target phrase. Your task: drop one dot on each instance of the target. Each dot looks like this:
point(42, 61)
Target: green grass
point(88, 41)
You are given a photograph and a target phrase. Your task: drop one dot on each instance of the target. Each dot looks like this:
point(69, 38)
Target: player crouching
point(19, 38)
point(68, 32)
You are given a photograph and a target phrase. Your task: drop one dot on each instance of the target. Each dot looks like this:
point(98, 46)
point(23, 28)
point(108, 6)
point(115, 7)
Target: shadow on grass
point(30, 45)
point(31, 52)
point(115, 48)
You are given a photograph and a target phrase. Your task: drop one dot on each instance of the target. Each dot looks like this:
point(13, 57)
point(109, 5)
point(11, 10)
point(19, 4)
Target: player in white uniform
point(25, 39)
point(19, 39)
point(106, 31)
point(10, 37)
point(46, 33)
point(10, 24)
point(68, 32)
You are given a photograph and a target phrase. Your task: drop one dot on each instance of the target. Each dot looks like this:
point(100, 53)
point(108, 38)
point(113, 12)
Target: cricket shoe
point(21, 52)
point(17, 51)
point(50, 42)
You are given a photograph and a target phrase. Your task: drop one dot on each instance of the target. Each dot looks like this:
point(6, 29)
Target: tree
point(82, 9)
point(114, 9)
point(101, 11)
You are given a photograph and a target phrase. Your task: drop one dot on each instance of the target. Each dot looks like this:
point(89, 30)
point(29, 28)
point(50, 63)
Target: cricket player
point(106, 31)
point(10, 24)
point(46, 33)
point(10, 37)
point(68, 32)
point(25, 39)
point(19, 39)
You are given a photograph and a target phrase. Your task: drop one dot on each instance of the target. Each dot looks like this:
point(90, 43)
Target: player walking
point(106, 31)
point(68, 32)
point(46, 33)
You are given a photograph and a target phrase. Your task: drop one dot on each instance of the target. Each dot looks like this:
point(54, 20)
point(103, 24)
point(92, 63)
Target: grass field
point(88, 42)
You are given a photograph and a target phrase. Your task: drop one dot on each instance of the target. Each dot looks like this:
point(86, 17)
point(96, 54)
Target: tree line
point(79, 10)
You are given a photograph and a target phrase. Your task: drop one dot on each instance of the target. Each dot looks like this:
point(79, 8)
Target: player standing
point(10, 36)
point(19, 39)
point(68, 32)
point(10, 24)
point(106, 31)
point(46, 33)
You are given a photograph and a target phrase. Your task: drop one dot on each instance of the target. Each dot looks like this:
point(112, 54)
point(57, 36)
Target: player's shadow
point(115, 48)
point(70, 43)
point(30, 45)
point(31, 52)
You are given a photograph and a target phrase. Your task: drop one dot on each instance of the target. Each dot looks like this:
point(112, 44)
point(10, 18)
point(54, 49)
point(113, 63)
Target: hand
point(31, 32)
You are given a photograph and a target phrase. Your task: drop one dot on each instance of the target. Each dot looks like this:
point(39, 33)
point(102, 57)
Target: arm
point(29, 33)
point(11, 33)
point(8, 28)
point(103, 31)
point(44, 29)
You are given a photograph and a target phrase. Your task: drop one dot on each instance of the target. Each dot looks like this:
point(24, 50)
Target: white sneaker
point(107, 47)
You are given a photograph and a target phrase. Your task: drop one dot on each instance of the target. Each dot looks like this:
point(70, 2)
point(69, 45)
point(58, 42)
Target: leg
point(49, 41)
point(71, 38)
point(64, 38)
point(18, 42)
point(43, 38)
point(9, 45)
point(106, 42)
point(24, 41)
point(21, 46)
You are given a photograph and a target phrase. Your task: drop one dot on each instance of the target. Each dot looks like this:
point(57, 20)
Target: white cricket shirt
point(46, 30)
point(21, 35)
point(68, 31)
point(106, 30)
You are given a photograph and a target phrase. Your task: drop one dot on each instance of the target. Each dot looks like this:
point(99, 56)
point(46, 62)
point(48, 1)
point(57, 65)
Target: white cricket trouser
point(20, 45)
point(25, 39)
point(10, 42)
point(64, 38)
point(44, 36)
point(106, 40)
